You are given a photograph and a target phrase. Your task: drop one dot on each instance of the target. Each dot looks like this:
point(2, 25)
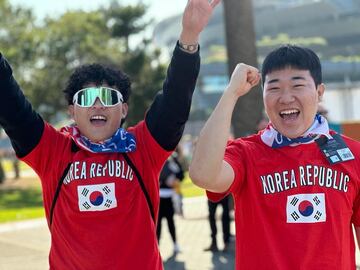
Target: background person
point(225, 221)
point(170, 177)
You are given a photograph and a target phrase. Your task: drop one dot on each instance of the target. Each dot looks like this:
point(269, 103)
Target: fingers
point(255, 80)
point(214, 3)
point(253, 77)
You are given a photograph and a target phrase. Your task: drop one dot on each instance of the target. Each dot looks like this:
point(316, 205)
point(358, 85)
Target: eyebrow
point(292, 78)
point(273, 81)
point(298, 78)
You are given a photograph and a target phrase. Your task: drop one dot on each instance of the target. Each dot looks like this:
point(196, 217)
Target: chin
point(96, 136)
point(95, 139)
point(291, 135)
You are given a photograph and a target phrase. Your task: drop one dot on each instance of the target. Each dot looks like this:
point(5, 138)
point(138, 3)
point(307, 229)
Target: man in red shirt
point(296, 183)
point(100, 181)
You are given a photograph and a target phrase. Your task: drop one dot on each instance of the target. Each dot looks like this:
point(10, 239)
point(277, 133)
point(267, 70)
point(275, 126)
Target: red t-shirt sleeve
point(48, 154)
point(216, 197)
point(152, 153)
point(49, 159)
point(234, 156)
point(354, 146)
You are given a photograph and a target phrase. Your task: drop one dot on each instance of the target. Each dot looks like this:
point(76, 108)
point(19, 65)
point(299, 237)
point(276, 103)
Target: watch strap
point(189, 47)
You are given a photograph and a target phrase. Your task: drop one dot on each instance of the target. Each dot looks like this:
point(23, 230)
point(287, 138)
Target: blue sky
point(158, 9)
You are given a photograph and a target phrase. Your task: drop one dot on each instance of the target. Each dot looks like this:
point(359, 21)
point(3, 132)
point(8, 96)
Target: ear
point(71, 111)
point(124, 110)
point(320, 90)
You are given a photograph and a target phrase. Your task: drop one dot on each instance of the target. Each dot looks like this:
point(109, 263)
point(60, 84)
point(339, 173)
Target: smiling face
point(98, 122)
point(291, 99)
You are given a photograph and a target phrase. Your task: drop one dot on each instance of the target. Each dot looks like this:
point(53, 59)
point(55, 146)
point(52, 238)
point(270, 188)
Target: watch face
point(190, 48)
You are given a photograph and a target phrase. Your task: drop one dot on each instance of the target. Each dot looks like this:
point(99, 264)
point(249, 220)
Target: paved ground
point(25, 245)
point(194, 235)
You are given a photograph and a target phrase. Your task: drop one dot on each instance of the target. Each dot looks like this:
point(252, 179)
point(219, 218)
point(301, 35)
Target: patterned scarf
point(121, 142)
point(274, 139)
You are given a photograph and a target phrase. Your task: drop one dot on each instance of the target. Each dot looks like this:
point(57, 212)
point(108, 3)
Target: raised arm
point(357, 233)
point(20, 122)
point(207, 168)
point(170, 110)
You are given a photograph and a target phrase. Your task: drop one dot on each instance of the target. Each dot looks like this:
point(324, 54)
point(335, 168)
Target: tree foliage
point(18, 37)
point(125, 21)
point(44, 55)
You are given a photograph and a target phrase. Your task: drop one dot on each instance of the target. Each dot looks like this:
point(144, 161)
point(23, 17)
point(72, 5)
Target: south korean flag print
point(97, 197)
point(306, 208)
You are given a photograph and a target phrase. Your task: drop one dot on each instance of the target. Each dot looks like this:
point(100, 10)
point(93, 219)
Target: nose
point(286, 96)
point(98, 104)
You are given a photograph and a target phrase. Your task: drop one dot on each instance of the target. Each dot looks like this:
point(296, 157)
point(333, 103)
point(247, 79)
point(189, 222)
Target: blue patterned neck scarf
point(271, 137)
point(121, 142)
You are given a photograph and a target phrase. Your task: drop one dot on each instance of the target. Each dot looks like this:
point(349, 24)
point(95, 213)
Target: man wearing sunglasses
point(100, 182)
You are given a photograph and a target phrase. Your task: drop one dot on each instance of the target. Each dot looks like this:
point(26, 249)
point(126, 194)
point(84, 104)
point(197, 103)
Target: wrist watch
point(189, 47)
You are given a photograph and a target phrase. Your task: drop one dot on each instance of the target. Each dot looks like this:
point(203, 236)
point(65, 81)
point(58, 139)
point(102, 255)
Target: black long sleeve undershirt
point(166, 117)
point(170, 110)
point(20, 122)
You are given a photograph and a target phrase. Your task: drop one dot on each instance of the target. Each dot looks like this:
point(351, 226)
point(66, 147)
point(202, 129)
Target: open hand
point(196, 16)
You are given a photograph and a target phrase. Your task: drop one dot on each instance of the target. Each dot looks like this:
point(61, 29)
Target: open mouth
point(289, 114)
point(98, 119)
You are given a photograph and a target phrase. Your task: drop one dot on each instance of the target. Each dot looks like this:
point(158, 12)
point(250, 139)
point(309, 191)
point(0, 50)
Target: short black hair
point(97, 74)
point(294, 57)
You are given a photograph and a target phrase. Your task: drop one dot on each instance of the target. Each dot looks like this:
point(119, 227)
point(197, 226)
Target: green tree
point(241, 47)
point(141, 63)
point(125, 21)
point(73, 39)
point(44, 56)
point(18, 39)
point(147, 75)
point(16, 27)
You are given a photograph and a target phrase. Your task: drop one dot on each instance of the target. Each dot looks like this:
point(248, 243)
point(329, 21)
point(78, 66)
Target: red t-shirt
point(293, 210)
point(101, 219)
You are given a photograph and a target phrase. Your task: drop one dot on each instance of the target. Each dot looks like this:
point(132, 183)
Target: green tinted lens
point(87, 97)
point(105, 96)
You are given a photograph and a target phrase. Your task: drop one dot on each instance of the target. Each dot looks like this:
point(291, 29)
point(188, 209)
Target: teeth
point(98, 117)
point(289, 112)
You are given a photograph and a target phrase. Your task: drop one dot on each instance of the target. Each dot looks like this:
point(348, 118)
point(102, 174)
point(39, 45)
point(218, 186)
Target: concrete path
point(25, 245)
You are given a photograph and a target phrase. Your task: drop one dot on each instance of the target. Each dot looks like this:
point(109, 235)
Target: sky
point(158, 9)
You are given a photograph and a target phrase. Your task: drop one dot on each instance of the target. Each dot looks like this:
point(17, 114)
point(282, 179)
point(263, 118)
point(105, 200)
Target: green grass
point(188, 189)
point(7, 165)
point(19, 204)
point(10, 215)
